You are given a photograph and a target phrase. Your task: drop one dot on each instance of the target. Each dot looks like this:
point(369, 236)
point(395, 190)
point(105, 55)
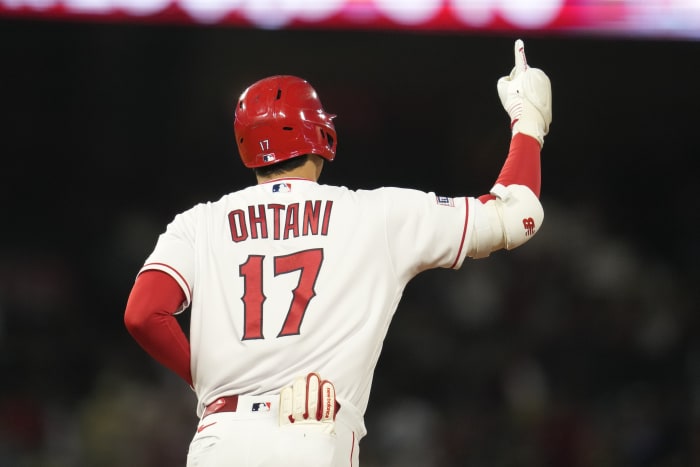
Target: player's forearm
point(150, 321)
point(522, 166)
point(511, 214)
point(161, 336)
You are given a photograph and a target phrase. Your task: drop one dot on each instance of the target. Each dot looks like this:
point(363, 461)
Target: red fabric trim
point(149, 318)
point(277, 180)
point(522, 166)
point(352, 449)
point(464, 233)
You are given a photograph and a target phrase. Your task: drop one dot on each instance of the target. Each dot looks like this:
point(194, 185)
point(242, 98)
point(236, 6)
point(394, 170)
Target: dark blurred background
point(578, 350)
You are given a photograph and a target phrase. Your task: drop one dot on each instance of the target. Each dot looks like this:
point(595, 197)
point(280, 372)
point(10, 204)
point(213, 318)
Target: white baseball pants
point(252, 437)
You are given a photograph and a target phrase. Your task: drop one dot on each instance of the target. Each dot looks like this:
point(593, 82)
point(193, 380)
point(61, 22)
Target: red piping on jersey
point(464, 232)
point(352, 449)
point(277, 180)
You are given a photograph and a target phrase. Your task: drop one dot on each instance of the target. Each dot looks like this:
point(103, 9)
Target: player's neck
point(311, 170)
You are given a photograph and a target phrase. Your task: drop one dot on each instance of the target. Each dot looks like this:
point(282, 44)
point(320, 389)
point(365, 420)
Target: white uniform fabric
point(252, 437)
point(290, 277)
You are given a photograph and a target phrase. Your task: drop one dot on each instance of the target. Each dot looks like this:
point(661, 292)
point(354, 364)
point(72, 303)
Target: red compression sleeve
point(149, 318)
point(522, 166)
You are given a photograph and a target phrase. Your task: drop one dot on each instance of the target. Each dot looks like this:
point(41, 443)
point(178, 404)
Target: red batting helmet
point(281, 117)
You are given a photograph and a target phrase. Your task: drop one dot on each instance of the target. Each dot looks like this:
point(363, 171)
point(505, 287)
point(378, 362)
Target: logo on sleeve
point(444, 201)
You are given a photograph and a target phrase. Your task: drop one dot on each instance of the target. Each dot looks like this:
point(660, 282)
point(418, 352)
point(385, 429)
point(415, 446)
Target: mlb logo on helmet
point(261, 407)
point(268, 157)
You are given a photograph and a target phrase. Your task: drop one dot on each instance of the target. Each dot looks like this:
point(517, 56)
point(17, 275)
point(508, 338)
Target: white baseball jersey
point(290, 276)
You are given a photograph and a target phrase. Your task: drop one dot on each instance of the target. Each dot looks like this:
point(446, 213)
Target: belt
point(222, 404)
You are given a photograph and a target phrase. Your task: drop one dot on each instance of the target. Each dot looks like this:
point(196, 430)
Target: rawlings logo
point(329, 396)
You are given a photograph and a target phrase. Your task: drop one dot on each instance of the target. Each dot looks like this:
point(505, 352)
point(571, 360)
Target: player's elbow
point(508, 221)
point(138, 316)
point(134, 320)
point(521, 214)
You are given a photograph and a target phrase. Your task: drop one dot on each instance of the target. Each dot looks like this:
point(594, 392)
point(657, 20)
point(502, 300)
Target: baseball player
point(292, 284)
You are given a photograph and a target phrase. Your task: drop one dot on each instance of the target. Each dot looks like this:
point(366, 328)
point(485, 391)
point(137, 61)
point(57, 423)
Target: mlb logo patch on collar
point(282, 187)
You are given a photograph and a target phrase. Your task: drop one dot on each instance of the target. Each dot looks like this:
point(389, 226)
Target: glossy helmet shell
point(281, 117)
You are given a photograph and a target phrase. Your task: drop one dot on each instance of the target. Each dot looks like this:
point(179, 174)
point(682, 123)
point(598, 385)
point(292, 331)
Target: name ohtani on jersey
point(280, 221)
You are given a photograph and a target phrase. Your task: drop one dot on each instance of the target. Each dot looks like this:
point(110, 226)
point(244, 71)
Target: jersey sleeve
point(174, 253)
point(424, 230)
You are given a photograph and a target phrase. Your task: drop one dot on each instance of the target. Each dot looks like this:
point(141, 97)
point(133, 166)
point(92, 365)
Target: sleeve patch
point(445, 201)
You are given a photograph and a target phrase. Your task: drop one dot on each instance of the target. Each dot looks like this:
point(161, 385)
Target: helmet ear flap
point(281, 117)
point(329, 137)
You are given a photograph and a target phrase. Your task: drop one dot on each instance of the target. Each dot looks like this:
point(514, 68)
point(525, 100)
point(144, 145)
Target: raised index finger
point(520, 60)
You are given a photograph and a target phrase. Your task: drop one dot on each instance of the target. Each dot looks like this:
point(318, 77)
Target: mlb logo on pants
point(261, 407)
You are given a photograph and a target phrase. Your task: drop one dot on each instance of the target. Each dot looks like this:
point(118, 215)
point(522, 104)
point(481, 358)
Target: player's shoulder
point(391, 192)
point(381, 196)
point(340, 192)
point(232, 197)
point(206, 206)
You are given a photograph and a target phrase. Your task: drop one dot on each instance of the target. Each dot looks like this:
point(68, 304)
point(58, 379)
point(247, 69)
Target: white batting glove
point(526, 94)
point(309, 400)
